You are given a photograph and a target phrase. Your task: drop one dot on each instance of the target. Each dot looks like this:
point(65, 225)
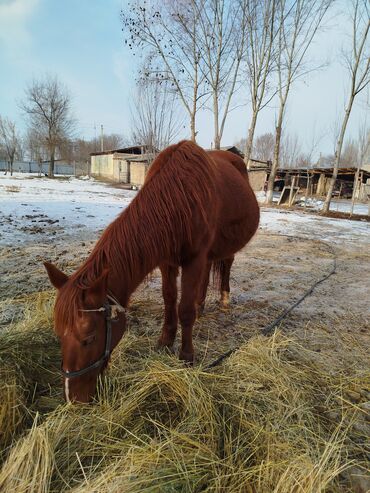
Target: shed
point(317, 180)
point(127, 165)
point(258, 172)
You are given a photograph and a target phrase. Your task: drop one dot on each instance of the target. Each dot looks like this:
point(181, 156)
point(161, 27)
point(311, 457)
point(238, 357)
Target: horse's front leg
point(169, 291)
point(192, 276)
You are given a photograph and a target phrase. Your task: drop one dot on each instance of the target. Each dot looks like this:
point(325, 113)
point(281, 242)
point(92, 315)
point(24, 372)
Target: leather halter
point(108, 311)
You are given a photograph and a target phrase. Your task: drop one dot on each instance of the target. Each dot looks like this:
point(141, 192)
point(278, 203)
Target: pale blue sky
point(82, 43)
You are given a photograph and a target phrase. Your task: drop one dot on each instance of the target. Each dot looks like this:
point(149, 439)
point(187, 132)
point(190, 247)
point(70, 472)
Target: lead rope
point(266, 331)
point(116, 308)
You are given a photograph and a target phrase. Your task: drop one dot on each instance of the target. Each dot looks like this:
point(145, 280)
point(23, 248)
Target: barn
point(317, 181)
point(127, 165)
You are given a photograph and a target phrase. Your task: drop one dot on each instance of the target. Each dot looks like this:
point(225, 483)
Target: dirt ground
point(290, 252)
point(271, 273)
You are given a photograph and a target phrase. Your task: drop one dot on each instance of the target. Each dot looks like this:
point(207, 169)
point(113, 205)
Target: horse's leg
point(192, 275)
point(169, 291)
point(203, 289)
point(225, 282)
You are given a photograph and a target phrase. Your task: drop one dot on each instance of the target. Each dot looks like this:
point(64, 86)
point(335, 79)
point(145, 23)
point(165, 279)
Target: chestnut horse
point(194, 210)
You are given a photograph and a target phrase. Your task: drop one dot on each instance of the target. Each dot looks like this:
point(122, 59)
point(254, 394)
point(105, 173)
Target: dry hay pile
point(267, 420)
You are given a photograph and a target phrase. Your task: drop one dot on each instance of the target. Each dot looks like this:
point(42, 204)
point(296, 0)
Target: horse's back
point(205, 197)
point(186, 160)
point(225, 158)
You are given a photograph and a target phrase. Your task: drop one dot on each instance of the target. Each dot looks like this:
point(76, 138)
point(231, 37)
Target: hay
point(269, 419)
point(29, 359)
point(12, 406)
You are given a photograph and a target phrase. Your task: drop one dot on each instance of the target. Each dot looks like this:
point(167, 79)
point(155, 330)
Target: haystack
point(268, 419)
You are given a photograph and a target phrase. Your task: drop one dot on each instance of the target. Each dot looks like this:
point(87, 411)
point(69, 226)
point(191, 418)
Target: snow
point(31, 206)
point(314, 226)
point(316, 204)
point(37, 209)
point(336, 205)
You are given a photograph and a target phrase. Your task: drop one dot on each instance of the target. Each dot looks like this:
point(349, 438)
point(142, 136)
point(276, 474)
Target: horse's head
point(89, 323)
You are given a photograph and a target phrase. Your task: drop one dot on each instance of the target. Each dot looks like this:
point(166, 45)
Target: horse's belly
point(235, 231)
point(231, 240)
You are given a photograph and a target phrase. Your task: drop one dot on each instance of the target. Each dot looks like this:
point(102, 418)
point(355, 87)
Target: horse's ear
point(97, 292)
point(56, 276)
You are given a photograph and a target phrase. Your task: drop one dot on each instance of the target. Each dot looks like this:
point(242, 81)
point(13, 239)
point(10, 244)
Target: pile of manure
point(269, 419)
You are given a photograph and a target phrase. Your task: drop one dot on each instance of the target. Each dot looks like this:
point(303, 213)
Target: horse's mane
point(180, 181)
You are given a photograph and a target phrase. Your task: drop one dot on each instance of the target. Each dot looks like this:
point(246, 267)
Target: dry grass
point(269, 420)
point(12, 188)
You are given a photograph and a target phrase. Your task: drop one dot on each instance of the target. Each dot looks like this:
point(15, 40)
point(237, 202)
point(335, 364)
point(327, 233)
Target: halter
point(110, 312)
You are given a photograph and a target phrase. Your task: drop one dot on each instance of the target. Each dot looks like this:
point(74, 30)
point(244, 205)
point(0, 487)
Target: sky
point(81, 42)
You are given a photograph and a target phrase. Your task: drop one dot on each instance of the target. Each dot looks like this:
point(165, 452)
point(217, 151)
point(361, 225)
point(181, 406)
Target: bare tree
point(35, 149)
point(363, 153)
point(222, 45)
point(166, 35)
point(264, 147)
point(10, 142)
point(350, 154)
point(47, 105)
point(155, 120)
point(358, 64)
point(196, 46)
point(115, 141)
point(261, 34)
point(299, 23)
point(291, 151)
point(79, 150)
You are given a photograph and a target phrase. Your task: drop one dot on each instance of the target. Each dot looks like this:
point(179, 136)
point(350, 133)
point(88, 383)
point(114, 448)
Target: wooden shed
point(258, 172)
point(128, 165)
point(317, 181)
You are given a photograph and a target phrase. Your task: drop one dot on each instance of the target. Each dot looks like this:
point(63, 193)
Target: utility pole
point(101, 139)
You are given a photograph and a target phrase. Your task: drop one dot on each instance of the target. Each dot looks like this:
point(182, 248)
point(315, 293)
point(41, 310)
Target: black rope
point(266, 331)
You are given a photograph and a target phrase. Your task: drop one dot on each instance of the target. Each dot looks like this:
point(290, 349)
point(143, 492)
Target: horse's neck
point(139, 252)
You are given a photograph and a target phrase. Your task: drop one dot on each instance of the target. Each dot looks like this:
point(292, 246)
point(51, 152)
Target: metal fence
point(75, 169)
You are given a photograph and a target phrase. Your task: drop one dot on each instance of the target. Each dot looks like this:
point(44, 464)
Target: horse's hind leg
point(169, 291)
point(192, 275)
point(203, 289)
point(225, 281)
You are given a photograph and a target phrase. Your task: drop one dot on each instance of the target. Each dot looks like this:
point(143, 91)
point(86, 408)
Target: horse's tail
point(218, 271)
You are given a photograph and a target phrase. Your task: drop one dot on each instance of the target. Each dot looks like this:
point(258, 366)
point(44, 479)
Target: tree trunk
point(192, 127)
point(217, 139)
point(275, 162)
point(355, 184)
point(11, 168)
point(51, 164)
point(249, 144)
point(338, 152)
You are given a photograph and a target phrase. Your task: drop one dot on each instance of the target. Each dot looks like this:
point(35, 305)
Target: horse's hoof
point(200, 310)
point(165, 345)
point(187, 358)
point(225, 300)
point(165, 348)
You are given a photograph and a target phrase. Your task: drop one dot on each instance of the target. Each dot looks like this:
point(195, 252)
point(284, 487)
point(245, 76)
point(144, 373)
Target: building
point(258, 173)
point(317, 181)
point(128, 165)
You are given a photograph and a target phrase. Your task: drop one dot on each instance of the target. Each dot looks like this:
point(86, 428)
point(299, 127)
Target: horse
point(196, 209)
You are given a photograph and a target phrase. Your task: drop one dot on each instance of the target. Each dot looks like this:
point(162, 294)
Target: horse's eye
point(88, 340)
